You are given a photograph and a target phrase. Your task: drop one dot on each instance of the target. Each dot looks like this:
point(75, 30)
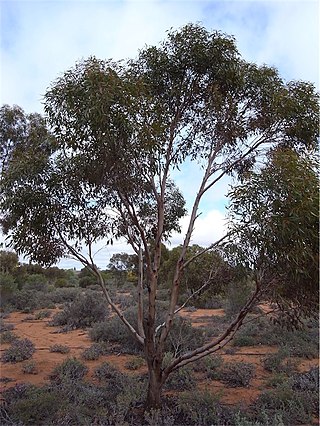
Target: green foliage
point(19, 350)
point(36, 406)
point(197, 273)
point(183, 337)
point(119, 130)
point(111, 377)
point(8, 262)
point(237, 294)
point(36, 282)
point(303, 342)
point(8, 286)
point(274, 214)
point(61, 282)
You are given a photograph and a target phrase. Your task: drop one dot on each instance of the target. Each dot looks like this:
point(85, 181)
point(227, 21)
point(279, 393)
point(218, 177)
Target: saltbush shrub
point(308, 381)
point(114, 331)
point(36, 282)
point(135, 363)
point(4, 326)
point(181, 379)
point(84, 311)
point(71, 370)
point(28, 405)
point(111, 378)
point(19, 350)
point(183, 337)
point(236, 374)
point(63, 295)
point(200, 408)
point(29, 367)
point(7, 337)
point(42, 314)
point(209, 365)
point(94, 351)
point(61, 349)
point(280, 362)
point(294, 407)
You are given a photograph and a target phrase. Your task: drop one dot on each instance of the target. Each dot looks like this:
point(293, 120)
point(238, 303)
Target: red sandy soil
point(44, 336)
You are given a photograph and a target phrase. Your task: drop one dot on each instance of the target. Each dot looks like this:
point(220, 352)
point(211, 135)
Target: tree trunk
point(154, 388)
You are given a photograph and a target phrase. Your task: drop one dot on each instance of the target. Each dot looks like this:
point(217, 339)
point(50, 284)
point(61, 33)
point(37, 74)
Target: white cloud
point(209, 227)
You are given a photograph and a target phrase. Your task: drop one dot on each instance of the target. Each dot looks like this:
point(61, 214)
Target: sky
point(41, 39)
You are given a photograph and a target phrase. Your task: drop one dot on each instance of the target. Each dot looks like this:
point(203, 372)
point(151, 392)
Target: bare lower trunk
point(154, 390)
point(155, 381)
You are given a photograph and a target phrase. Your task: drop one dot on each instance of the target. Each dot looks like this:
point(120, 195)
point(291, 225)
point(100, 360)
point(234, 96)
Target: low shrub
point(30, 368)
point(181, 379)
point(106, 372)
point(308, 381)
point(61, 349)
point(94, 352)
point(124, 300)
point(7, 337)
point(113, 330)
point(183, 337)
point(62, 295)
point(294, 407)
point(236, 374)
point(35, 406)
point(279, 362)
point(111, 378)
point(243, 340)
point(71, 370)
point(277, 379)
point(42, 314)
point(200, 408)
point(19, 350)
point(209, 365)
point(135, 363)
point(27, 300)
point(84, 311)
point(4, 326)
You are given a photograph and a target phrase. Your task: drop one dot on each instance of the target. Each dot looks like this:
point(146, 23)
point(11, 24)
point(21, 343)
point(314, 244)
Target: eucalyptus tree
point(274, 216)
point(120, 131)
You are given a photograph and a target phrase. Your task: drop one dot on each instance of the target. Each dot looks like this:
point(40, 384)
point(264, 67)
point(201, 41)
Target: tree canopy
point(275, 222)
point(118, 130)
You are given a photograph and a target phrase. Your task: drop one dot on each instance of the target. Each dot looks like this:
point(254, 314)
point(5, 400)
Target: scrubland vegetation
point(111, 396)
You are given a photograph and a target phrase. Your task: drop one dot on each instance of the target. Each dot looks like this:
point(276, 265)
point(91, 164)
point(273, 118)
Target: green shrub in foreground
point(294, 409)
